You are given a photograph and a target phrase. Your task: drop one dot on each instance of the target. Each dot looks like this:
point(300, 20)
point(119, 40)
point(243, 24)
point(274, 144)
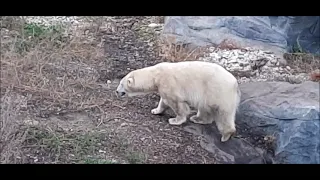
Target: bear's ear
point(130, 80)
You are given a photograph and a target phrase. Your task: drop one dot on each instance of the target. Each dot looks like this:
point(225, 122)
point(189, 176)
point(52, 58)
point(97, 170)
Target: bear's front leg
point(181, 109)
point(161, 107)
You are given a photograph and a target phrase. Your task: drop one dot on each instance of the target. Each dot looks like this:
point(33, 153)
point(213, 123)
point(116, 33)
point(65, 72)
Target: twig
point(118, 106)
point(110, 119)
point(101, 117)
point(189, 54)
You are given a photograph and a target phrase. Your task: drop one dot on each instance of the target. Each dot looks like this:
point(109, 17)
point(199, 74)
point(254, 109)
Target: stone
point(274, 61)
point(152, 25)
point(31, 122)
point(289, 112)
point(273, 33)
point(234, 151)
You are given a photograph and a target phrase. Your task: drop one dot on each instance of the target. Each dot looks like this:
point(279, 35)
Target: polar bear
point(206, 86)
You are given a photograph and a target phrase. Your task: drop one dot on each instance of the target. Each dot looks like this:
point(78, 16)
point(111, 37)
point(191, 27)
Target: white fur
point(208, 87)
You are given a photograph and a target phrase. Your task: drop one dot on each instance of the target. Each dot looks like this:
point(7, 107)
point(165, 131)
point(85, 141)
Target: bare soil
point(66, 110)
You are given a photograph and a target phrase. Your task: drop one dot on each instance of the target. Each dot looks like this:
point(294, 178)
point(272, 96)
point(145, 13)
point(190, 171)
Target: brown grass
point(304, 63)
point(50, 67)
point(55, 110)
point(169, 50)
point(172, 51)
point(12, 131)
point(229, 45)
point(315, 75)
point(47, 65)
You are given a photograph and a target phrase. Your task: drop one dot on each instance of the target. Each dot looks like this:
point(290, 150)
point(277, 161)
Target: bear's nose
point(120, 93)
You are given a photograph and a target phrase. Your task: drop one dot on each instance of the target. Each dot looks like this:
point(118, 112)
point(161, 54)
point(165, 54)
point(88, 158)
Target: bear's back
point(196, 70)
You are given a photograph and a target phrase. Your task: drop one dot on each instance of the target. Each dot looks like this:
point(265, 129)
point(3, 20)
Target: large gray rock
point(289, 112)
point(234, 151)
point(274, 33)
point(276, 116)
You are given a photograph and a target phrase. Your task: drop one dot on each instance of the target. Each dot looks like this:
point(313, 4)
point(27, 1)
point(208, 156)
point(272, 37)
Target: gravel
point(53, 20)
point(253, 65)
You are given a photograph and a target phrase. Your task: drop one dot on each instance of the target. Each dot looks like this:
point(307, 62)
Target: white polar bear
point(208, 87)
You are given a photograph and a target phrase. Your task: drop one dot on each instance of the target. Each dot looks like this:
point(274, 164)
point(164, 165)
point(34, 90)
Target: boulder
point(272, 33)
point(289, 113)
point(276, 117)
point(234, 151)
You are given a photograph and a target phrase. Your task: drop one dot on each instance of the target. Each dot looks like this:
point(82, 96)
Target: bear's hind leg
point(161, 107)
point(226, 125)
point(181, 109)
point(202, 117)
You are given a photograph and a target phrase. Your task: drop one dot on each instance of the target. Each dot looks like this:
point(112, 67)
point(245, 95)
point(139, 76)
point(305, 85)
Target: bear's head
point(135, 83)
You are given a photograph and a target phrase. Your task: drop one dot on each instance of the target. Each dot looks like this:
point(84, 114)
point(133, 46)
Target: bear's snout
point(121, 93)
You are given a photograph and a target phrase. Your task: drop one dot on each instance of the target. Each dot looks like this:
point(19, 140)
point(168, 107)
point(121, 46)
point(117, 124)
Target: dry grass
point(49, 64)
point(304, 63)
point(53, 107)
point(54, 65)
point(228, 44)
point(315, 75)
point(12, 131)
point(169, 50)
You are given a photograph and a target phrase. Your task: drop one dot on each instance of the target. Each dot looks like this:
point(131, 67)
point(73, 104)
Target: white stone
point(123, 124)
point(152, 25)
point(31, 122)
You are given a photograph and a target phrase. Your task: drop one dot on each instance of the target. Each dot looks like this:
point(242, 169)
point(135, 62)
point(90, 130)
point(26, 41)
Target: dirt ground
point(58, 103)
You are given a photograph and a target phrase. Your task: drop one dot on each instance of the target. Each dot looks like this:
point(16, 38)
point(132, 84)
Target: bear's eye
point(129, 80)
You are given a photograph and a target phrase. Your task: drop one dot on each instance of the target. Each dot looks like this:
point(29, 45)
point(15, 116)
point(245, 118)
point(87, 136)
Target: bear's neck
point(153, 75)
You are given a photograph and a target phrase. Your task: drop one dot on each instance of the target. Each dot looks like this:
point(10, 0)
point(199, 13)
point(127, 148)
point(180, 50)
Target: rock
point(289, 112)
point(282, 61)
point(152, 25)
point(30, 122)
point(272, 33)
point(234, 151)
point(237, 60)
point(274, 61)
point(123, 124)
